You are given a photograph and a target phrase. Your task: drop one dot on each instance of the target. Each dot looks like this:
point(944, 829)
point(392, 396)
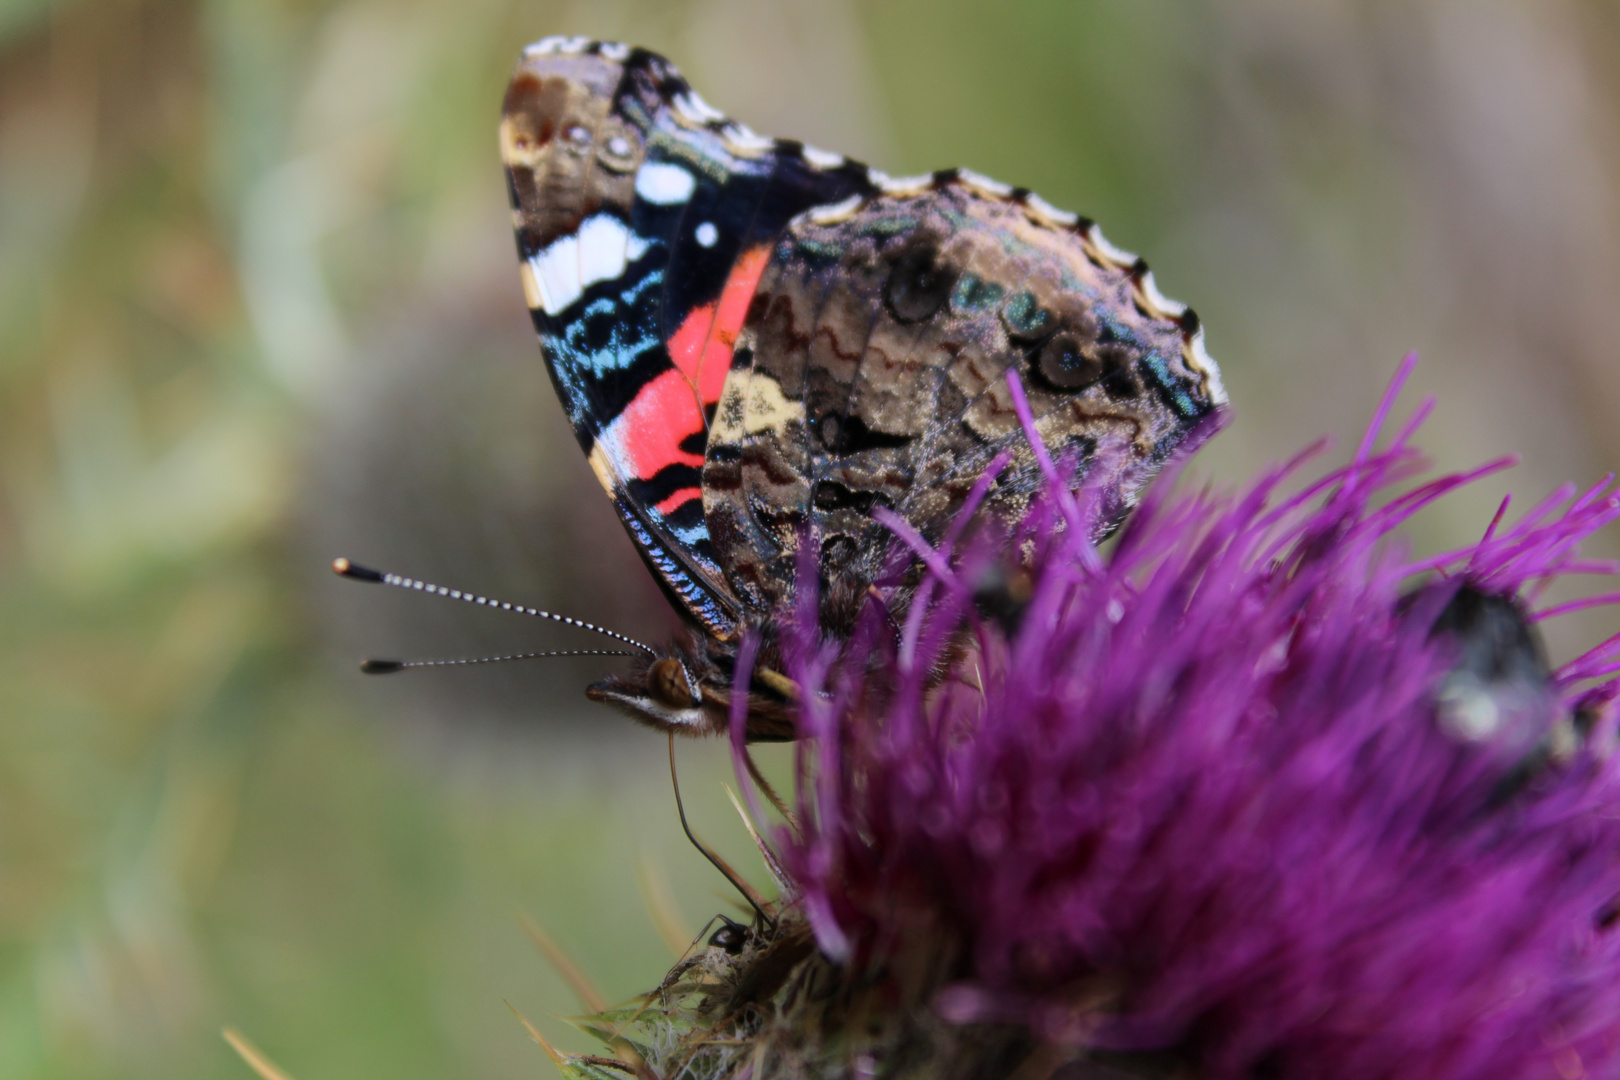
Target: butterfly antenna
point(719, 863)
point(345, 568)
point(388, 667)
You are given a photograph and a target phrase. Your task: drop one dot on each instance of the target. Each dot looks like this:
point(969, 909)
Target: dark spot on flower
point(1609, 915)
point(1270, 1067)
point(1498, 687)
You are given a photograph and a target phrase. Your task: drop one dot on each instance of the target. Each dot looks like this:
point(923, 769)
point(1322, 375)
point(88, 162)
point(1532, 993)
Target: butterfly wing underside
point(644, 220)
point(756, 341)
point(871, 371)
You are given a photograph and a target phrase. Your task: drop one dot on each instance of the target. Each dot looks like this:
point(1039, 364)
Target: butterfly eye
point(919, 284)
point(668, 682)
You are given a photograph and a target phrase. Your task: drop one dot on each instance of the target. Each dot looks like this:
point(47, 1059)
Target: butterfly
point(758, 343)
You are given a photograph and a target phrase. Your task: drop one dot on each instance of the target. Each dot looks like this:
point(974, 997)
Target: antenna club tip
point(381, 667)
point(344, 568)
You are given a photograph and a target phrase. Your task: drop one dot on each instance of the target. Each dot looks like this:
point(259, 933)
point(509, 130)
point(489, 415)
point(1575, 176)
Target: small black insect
point(1499, 692)
point(731, 936)
point(1499, 689)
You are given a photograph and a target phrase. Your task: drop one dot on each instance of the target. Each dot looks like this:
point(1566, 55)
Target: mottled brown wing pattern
point(871, 371)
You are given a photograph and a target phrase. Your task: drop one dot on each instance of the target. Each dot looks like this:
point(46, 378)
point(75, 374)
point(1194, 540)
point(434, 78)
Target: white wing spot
point(707, 234)
point(664, 184)
point(1150, 292)
point(601, 251)
point(619, 146)
point(745, 140)
point(1061, 218)
point(615, 50)
point(604, 249)
point(695, 109)
point(558, 44)
point(822, 159)
point(907, 185)
point(1109, 251)
point(1200, 361)
point(984, 183)
point(833, 213)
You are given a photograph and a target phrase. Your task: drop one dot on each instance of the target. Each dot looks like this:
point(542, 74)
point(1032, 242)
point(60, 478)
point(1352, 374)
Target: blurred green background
point(258, 308)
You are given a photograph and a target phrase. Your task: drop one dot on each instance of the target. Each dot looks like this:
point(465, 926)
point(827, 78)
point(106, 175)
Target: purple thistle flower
point(1194, 800)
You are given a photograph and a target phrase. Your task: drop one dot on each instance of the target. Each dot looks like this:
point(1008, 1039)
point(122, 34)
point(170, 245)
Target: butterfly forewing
point(643, 221)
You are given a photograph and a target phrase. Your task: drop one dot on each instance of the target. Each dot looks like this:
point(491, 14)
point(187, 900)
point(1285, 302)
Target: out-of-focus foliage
point(258, 308)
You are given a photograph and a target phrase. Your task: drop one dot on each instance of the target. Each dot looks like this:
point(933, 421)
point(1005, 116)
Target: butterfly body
point(758, 343)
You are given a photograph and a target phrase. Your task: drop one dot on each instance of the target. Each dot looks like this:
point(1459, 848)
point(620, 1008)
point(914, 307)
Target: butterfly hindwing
point(872, 372)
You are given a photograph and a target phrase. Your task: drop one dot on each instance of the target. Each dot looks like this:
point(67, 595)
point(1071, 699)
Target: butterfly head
point(688, 690)
point(665, 696)
point(669, 690)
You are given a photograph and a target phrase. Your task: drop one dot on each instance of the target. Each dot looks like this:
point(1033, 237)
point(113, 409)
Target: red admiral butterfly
point(757, 342)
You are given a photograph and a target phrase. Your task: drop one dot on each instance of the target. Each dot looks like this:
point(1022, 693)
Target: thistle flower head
point(1255, 792)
